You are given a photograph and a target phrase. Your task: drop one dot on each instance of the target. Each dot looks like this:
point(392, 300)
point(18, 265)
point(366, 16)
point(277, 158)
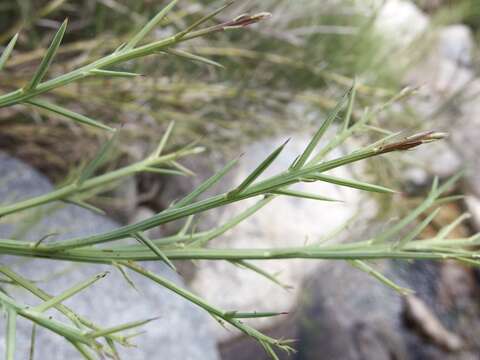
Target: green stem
point(414, 250)
point(67, 191)
point(22, 95)
point(263, 187)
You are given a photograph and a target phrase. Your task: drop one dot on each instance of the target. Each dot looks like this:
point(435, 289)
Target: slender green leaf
point(43, 238)
point(97, 161)
point(149, 27)
point(379, 276)
point(163, 171)
point(446, 230)
point(341, 137)
point(11, 333)
point(269, 350)
point(435, 192)
point(164, 140)
point(273, 278)
point(69, 114)
point(189, 56)
point(202, 20)
point(207, 184)
point(125, 275)
point(8, 51)
point(351, 102)
point(111, 73)
point(33, 337)
point(417, 230)
point(151, 245)
point(118, 328)
point(85, 206)
point(302, 194)
point(48, 58)
point(252, 315)
point(353, 184)
point(113, 348)
point(54, 301)
point(180, 167)
point(216, 232)
point(449, 199)
point(320, 132)
point(186, 226)
point(87, 355)
point(258, 170)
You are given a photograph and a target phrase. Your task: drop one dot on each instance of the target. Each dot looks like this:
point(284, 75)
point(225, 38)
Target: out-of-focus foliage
point(272, 75)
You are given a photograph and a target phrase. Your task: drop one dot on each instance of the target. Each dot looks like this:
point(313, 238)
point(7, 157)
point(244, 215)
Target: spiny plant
point(398, 241)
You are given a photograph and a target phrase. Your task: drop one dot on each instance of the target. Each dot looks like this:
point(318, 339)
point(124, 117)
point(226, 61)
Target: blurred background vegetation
point(297, 63)
point(278, 77)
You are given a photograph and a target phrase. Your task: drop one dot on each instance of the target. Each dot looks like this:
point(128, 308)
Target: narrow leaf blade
point(48, 58)
point(261, 272)
point(111, 73)
point(164, 140)
point(351, 102)
point(97, 161)
point(320, 132)
point(118, 328)
point(302, 194)
point(85, 206)
point(252, 315)
point(69, 114)
point(361, 265)
point(8, 51)
point(189, 56)
point(151, 245)
point(207, 184)
point(149, 26)
point(202, 20)
point(259, 170)
point(54, 301)
point(353, 184)
point(164, 171)
point(11, 337)
point(417, 230)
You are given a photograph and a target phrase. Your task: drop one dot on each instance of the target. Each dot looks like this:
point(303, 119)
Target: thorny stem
point(22, 95)
point(435, 250)
point(264, 187)
point(67, 191)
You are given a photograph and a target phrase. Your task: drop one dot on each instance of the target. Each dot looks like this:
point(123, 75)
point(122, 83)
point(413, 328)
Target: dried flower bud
point(412, 141)
point(246, 20)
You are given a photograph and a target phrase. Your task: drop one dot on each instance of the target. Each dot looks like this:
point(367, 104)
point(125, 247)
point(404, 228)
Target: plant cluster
point(398, 241)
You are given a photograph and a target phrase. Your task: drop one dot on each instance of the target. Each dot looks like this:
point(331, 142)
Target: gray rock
point(456, 43)
point(446, 67)
point(465, 132)
point(473, 206)
point(345, 314)
point(182, 331)
point(400, 22)
point(447, 101)
point(357, 317)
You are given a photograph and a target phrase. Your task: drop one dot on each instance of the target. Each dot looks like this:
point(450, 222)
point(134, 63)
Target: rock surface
point(400, 21)
point(347, 315)
point(448, 101)
point(182, 330)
